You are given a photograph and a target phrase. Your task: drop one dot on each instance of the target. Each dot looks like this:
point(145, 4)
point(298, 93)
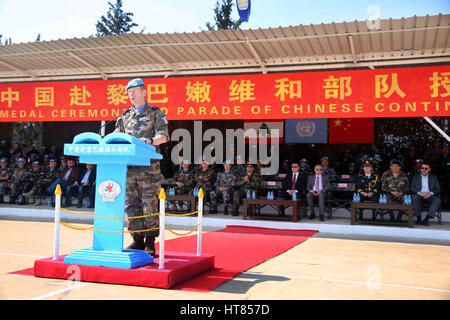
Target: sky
point(23, 20)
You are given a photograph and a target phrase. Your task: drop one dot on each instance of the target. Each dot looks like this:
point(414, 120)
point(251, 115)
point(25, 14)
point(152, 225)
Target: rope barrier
point(162, 215)
point(182, 234)
point(90, 215)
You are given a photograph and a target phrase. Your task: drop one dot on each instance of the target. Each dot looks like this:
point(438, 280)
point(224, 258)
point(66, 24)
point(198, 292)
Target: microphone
point(115, 119)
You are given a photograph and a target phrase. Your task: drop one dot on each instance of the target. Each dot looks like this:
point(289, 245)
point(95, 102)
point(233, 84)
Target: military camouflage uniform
point(241, 189)
point(224, 179)
point(18, 178)
point(4, 173)
point(389, 183)
point(143, 183)
point(187, 178)
point(31, 180)
point(239, 170)
point(204, 179)
point(45, 181)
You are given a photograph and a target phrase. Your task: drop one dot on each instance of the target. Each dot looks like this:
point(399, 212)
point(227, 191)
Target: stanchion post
point(200, 222)
point(162, 227)
point(58, 193)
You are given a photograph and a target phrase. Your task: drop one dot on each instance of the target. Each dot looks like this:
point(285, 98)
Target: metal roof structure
point(358, 44)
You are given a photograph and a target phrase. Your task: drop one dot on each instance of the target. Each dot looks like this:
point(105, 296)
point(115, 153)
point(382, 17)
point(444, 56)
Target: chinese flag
point(355, 130)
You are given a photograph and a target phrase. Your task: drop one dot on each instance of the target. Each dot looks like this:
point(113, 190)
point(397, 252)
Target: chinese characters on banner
point(396, 92)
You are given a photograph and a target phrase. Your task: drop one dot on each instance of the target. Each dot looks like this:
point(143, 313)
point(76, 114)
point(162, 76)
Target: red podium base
point(179, 266)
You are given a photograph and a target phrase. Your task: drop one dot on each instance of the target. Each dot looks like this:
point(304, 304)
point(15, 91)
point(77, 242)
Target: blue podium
point(112, 154)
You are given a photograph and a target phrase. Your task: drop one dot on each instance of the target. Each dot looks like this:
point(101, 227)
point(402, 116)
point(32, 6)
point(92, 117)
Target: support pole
point(200, 222)
point(58, 193)
point(162, 227)
point(434, 125)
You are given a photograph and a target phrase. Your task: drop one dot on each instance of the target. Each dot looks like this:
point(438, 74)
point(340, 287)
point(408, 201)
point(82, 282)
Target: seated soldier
point(18, 179)
point(5, 175)
point(223, 187)
point(204, 179)
point(84, 184)
point(36, 173)
point(327, 170)
point(394, 183)
point(50, 176)
point(248, 181)
point(368, 183)
point(184, 182)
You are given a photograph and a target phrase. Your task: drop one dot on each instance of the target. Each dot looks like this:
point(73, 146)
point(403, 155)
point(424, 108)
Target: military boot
point(138, 242)
point(1, 199)
point(150, 245)
point(235, 210)
point(225, 210)
point(39, 201)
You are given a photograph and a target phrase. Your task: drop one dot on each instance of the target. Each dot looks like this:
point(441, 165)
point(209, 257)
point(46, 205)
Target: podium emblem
point(109, 190)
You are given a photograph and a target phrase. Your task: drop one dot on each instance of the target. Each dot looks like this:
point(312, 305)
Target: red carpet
point(236, 250)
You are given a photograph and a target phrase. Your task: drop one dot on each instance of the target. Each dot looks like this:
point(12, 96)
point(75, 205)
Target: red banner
point(396, 92)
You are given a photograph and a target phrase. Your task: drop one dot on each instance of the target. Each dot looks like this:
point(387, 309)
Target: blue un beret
point(134, 83)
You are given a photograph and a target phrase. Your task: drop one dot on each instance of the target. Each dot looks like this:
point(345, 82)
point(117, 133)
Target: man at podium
point(149, 124)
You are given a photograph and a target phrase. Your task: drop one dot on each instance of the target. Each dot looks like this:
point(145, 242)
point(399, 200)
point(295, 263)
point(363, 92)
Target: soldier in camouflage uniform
point(149, 124)
point(18, 178)
point(204, 179)
point(246, 182)
point(50, 175)
point(223, 187)
point(34, 175)
point(5, 175)
point(395, 184)
point(184, 180)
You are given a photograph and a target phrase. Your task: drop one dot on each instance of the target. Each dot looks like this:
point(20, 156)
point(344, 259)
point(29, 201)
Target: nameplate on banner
point(342, 185)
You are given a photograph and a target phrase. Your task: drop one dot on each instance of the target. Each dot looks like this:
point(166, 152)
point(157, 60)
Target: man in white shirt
point(425, 189)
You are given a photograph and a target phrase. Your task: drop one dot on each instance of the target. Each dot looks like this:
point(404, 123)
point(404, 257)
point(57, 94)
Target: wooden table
point(250, 203)
point(183, 197)
point(382, 206)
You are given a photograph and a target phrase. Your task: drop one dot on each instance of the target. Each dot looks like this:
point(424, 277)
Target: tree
point(116, 21)
point(222, 16)
point(7, 40)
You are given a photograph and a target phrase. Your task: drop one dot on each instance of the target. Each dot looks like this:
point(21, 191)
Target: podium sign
point(112, 154)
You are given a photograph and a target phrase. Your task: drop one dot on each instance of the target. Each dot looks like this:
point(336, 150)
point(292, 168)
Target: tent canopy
point(366, 44)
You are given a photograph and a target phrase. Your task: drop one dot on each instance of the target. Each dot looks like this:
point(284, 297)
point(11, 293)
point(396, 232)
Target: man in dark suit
point(425, 188)
point(317, 186)
point(293, 182)
point(67, 177)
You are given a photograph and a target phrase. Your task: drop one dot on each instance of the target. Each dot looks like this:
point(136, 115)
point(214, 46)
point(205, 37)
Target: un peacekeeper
point(49, 176)
point(395, 184)
point(248, 181)
point(184, 180)
point(204, 179)
point(36, 173)
point(149, 124)
point(18, 179)
point(5, 175)
point(304, 169)
point(240, 168)
point(327, 170)
point(224, 186)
